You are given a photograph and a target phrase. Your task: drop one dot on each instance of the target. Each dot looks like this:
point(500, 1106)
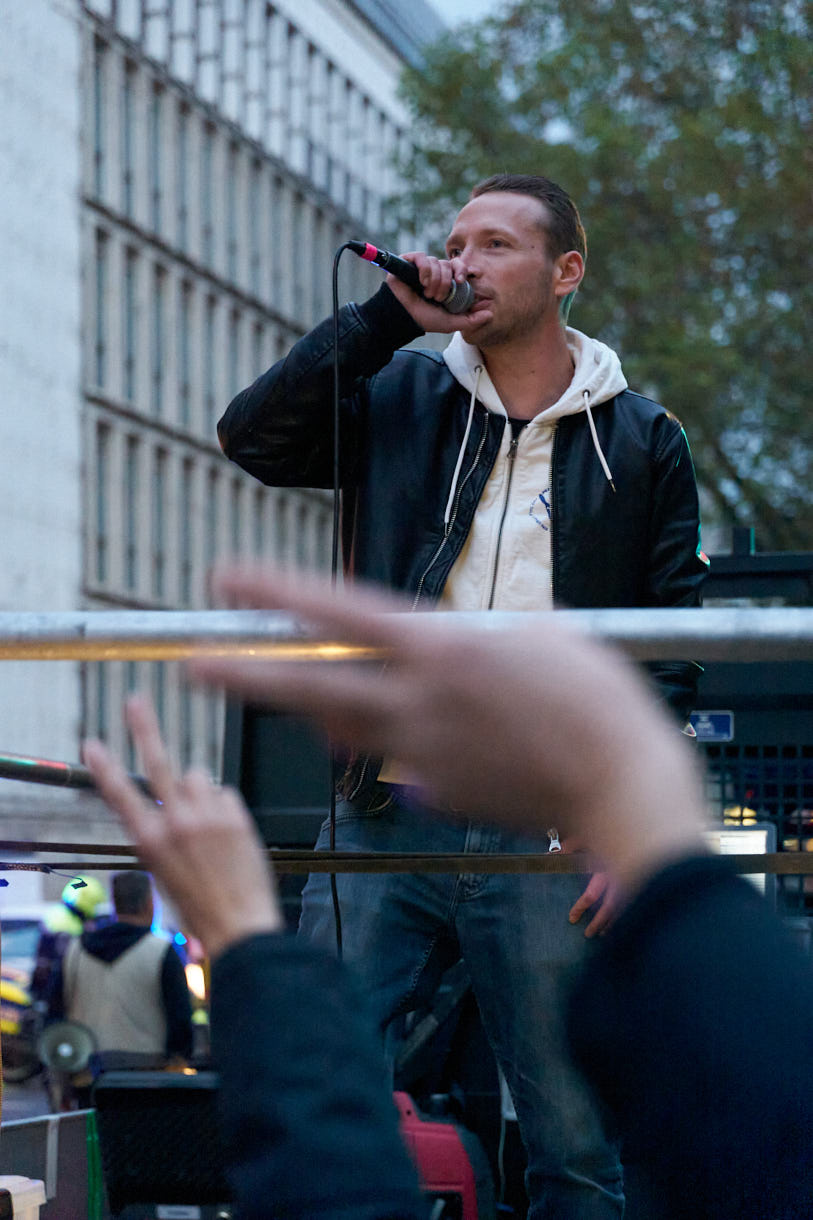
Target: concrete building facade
point(179, 174)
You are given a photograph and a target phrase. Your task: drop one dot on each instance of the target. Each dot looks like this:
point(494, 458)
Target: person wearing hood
point(127, 985)
point(513, 471)
point(77, 911)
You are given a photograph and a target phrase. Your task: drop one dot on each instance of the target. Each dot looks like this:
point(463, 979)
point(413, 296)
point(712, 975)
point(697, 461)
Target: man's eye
point(453, 252)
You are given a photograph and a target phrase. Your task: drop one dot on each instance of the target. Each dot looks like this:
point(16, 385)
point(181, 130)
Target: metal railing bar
point(711, 634)
point(771, 863)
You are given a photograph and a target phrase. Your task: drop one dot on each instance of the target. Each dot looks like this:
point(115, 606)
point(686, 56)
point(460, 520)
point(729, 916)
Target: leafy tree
point(684, 131)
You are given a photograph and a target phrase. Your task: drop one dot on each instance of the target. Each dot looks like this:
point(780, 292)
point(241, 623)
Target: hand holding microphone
point(459, 299)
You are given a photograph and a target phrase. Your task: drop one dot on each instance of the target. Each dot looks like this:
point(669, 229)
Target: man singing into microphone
point(513, 471)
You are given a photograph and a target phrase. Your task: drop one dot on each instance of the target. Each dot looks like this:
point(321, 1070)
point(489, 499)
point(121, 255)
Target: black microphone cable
point(334, 573)
point(459, 300)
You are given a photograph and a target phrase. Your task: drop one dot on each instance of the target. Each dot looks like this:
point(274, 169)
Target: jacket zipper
point(434, 559)
point(553, 530)
point(453, 516)
point(512, 453)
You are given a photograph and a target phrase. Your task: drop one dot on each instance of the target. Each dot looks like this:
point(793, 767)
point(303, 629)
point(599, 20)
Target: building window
point(320, 266)
point(99, 112)
point(160, 694)
point(182, 177)
point(303, 522)
point(209, 365)
point(211, 516)
point(186, 573)
point(281, 506)
point(234, 351)
point(157, 338)
point(102, 502)
point(276, 238)
point(298, 262)
point(236, 516)
point(258, 362)
point(156, 148)
point(207, 194)
point(100, 305)
point(186, 726)
point(214, 735)
point(254, 217)
point(101, 702)
point(128, 138)
point(184, 354)
point(259, 522)
point(232, 236)
point(131, 685)
point(159, 524)
point(131, 491)
point(130, 323)
point(130, 677)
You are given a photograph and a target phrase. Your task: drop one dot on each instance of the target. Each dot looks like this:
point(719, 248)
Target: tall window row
point(163, 165)
point(159, 515)
point(216, 190)
point(192, 720)
point(165, 342)
point(253, 67)
point(163, 512)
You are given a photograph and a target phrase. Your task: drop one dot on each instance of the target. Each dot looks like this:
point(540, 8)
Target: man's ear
point(568, 273)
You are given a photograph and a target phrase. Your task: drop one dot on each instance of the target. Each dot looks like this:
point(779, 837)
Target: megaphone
point(66, 1046)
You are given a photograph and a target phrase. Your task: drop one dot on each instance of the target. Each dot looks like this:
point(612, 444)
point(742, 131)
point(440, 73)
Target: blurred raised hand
point(199, 840)
point(516, 726)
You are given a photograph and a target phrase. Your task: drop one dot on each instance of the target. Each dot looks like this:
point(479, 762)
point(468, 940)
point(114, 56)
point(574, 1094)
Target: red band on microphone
point(370, 252)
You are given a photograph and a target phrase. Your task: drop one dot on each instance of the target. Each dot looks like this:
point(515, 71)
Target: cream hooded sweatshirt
point(505, 563)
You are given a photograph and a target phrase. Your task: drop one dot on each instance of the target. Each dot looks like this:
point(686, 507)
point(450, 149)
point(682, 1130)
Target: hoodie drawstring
point(448, 513)
point(608, 473)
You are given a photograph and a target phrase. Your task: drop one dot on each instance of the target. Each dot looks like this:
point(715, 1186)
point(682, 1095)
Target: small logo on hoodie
point(540, 509)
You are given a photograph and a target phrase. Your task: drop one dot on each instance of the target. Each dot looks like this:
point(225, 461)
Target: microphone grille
point(460, 299)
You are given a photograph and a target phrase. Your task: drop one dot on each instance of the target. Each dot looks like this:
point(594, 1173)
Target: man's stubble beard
point(525, 320)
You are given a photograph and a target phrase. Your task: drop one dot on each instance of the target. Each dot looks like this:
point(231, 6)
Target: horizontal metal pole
point(712, 634)
point(54, 774)
point(78, 849)
point(786, 863)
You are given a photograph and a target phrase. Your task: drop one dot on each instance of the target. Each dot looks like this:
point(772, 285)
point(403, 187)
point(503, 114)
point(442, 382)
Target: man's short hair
point(564, 228)
point(132, 891)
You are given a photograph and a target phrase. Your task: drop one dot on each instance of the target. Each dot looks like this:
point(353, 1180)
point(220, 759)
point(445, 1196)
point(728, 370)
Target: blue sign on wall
point(713, 726)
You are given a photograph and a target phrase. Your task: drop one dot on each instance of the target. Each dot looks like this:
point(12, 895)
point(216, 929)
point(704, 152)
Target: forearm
point(308, 1120)
point(280, 428)
point(692, 1021)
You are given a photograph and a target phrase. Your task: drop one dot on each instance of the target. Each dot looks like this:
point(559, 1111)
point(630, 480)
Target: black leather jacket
point(403, 418)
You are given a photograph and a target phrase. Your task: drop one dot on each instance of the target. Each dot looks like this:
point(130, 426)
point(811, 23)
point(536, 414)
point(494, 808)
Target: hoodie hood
point(110, 941)
point(597, 375)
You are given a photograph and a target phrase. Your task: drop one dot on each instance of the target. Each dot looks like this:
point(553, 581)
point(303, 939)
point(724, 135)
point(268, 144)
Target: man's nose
point(471, 263)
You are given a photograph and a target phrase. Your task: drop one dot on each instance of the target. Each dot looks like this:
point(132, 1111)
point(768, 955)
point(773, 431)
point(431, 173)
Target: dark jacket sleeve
point(280, 429)
point(309, 1125)
point(694, 1023)
point(677, 566)
point(177, 1005)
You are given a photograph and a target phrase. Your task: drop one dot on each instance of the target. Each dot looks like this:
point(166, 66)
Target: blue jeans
point(401, 931)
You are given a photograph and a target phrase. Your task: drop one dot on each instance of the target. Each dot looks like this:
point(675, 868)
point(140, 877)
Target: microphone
point(459, 300)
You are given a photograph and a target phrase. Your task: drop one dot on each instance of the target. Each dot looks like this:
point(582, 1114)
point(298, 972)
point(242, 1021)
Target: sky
point(453, 11)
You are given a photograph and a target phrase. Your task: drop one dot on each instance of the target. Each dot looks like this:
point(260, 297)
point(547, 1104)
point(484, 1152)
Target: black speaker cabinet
point(281, 765)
